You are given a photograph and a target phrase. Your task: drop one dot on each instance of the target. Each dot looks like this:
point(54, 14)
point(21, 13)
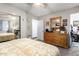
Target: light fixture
point(58, 20)
point(39, 5)
point(12, 17)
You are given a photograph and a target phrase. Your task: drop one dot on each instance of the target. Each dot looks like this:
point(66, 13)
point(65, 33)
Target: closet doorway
point(38, 29)
point(34, 28)
point(74, 21)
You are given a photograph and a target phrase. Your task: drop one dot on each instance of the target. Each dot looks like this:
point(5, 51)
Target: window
point(0, 25)
point(4, 25)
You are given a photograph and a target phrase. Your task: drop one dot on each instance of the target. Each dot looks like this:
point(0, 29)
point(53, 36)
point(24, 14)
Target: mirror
point(4, 26)
point(55, 22)
point(52, 23)
point(10, 24)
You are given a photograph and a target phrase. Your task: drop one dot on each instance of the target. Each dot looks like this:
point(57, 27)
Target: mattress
point(7, 36)
point(27, 47)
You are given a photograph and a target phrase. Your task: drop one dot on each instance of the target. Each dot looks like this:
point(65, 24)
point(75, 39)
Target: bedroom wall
point(29, 25)
point(65, 15)
point(15, 11)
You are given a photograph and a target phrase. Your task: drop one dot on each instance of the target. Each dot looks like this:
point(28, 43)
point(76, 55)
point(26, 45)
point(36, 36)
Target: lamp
point(39, 5)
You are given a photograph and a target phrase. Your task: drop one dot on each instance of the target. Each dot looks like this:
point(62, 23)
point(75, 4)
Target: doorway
point(37, 29)
point(74, 21)
point(34, 28)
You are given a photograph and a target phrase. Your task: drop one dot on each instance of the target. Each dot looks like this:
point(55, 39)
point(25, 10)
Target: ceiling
point(50, 8)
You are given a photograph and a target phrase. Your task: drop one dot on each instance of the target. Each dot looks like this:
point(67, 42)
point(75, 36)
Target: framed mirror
point(55, 22)
point(75, 23)
point(10, 24)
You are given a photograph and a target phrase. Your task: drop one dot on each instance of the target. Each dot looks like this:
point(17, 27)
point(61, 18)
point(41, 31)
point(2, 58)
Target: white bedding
point(27, 47)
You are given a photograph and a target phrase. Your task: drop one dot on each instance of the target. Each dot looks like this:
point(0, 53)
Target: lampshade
point(39, 5)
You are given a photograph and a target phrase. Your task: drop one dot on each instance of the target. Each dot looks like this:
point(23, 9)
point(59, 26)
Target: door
point(34, 28)
point(41, 30)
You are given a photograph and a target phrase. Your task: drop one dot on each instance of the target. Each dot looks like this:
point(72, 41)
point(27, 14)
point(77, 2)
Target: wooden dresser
point(56, 38)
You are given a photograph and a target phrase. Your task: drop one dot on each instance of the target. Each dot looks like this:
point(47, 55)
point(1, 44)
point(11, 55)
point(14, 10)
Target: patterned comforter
point(27, 47)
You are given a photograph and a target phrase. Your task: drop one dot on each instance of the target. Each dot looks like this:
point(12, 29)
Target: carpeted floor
point(74, 51)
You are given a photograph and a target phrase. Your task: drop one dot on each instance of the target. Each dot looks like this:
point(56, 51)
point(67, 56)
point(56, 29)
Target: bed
point(7, 36)
point(27, 47)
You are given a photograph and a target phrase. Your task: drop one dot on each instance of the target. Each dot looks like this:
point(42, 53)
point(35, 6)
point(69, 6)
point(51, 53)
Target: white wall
point(65, 14)
point(29, 25)
point(13, 10)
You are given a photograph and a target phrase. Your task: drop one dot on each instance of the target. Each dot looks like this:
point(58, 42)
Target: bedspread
point(27, 47)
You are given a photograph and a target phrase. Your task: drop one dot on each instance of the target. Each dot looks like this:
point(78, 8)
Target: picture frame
point(65, 22)
point(47, 23)
point(75, 23)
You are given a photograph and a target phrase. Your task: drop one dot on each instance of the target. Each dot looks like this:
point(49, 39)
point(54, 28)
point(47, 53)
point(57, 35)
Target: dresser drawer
point(56, 39)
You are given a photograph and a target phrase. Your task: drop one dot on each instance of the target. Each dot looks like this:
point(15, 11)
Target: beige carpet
point(74, 51)
point(69, 52)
